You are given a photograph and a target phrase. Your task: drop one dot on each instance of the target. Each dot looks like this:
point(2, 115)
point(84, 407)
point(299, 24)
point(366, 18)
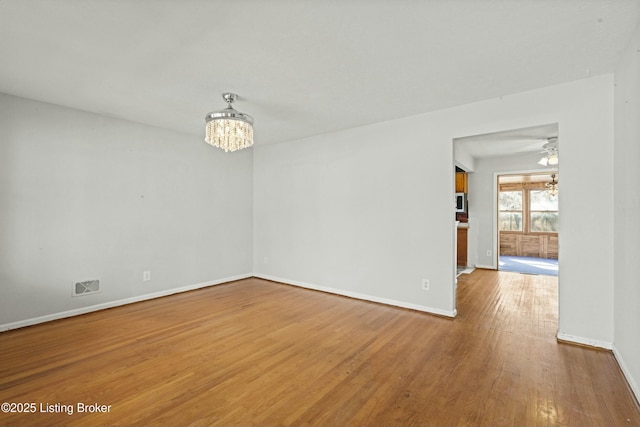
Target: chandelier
point(229, 129)
point(552, 187)
point(551, 153)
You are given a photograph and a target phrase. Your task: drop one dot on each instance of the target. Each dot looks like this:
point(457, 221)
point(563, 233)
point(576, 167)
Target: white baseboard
point(584, 341)
point(111, 304)
point(360, 296)
point(486, 267)
point(633, 384)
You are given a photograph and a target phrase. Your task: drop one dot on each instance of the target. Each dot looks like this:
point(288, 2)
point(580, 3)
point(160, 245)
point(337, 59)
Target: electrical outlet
point(425, 284)
point(489, 252)
point(146, 276)
point(266, 260)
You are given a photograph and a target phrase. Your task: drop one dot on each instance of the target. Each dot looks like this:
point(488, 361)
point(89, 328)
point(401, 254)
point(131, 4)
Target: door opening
point(528, 223)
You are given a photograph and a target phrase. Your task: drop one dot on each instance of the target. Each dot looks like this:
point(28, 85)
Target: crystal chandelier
point(552, 187)
point(229, 129)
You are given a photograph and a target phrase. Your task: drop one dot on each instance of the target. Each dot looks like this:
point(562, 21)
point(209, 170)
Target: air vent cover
point(86, 288)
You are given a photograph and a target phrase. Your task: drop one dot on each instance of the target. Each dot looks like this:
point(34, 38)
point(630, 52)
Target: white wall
point(463, 159)
point(627, 208)
point(84, 196)
point(368, 211)
point(482, 188)
point(340, 213)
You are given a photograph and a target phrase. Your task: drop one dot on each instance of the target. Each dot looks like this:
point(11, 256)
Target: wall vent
point(86, 288)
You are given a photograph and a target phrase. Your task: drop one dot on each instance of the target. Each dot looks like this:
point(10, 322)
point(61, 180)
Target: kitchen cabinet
point(462, 185)
point(462, 246)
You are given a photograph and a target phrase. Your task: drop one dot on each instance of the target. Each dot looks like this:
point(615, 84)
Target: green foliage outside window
point(544, 211)
point(510, 215)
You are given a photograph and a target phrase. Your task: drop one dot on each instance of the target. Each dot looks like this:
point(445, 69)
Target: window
point(510, 211)
point(543, 212)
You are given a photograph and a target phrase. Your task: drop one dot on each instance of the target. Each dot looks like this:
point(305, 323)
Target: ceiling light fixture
point(552, 187)
point(229, 129)
point(551, 153)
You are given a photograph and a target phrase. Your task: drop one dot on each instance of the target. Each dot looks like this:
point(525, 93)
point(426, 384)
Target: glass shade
point(549, 159)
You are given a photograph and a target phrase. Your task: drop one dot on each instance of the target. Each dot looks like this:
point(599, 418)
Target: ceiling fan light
point(229, 129)
point(550, 149)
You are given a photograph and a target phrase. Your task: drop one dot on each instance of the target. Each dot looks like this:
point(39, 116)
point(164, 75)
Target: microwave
point(461, 202)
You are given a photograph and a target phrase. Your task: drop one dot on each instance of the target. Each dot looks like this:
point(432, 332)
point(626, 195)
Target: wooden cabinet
point(461, 240)
point(462, 246)
point(461, 182)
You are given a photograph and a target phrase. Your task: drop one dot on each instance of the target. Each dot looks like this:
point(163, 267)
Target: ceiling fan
point(550, 149)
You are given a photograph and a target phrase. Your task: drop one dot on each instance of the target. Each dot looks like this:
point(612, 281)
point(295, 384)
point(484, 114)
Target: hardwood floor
point(254, 352)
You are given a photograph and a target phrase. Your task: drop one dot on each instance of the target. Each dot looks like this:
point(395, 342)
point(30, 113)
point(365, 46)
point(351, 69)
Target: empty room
point(295, 213)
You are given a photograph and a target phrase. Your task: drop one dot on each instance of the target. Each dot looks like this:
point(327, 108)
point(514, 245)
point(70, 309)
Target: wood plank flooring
point(254, 352)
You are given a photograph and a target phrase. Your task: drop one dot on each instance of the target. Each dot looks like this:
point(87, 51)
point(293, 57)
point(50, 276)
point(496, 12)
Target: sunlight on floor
point(528, 265)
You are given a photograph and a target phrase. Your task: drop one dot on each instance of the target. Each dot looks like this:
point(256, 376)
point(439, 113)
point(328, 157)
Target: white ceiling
point(509, 142)
point(301, 67)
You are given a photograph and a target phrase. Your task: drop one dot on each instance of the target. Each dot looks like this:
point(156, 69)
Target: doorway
point(487, 156)
point(527, 223)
